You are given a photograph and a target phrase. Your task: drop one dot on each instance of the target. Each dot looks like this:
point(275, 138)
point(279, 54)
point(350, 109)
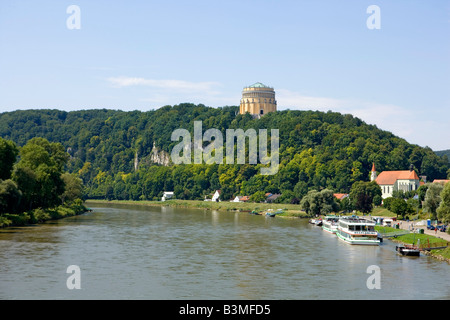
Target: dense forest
point(442, 153)
point(125, 155)
point(33, 184)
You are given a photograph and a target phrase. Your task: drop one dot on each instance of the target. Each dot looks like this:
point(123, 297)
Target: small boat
point(408, 250)
point(330, 224)
point(270, 213)
point(316, 222)
point(319, 222)
point(256, 213)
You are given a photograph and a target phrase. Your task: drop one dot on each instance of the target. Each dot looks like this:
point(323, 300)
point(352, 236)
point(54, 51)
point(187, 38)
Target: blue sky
point(319, 55)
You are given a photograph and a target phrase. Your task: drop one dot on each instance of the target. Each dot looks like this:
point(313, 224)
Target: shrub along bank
point(40, 215)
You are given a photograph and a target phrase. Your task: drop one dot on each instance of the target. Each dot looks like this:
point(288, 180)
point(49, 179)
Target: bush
point(387, 202)
point(39, 215)
point(4, 222)
point(15, 219)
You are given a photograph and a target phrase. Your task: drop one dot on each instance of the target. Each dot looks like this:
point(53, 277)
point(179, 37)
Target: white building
point(241, 199)
point(216, 196)
point(167, 195)
point(390, 181)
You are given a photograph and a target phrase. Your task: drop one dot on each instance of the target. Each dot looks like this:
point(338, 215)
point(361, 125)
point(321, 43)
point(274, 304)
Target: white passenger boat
point(355, 230)
point(330, 224)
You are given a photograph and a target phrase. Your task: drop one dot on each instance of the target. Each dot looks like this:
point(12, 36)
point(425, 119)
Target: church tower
point(373, 173)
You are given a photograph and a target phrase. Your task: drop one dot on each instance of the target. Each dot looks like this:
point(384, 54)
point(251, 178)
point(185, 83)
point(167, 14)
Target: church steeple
point(373, 174)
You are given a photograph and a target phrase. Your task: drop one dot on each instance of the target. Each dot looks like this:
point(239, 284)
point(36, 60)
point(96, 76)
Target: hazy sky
point(318, 55)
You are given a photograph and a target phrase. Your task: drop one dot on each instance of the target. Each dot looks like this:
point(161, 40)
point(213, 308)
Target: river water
point(134, 252)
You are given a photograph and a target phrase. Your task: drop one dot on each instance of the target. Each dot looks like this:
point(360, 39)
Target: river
point(137, 252)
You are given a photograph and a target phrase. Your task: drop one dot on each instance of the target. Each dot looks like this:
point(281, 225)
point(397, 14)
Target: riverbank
point(289, 210)
point(429, 235)
point(41, 215)
point(423, 238)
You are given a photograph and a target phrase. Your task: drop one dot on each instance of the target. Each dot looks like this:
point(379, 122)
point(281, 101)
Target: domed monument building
point(258, 99)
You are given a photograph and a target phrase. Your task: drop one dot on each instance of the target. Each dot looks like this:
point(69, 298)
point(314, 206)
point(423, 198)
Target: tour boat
point(355, 230)
point(330, 224)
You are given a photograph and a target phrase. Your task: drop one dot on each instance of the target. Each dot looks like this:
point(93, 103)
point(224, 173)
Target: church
point(390, 181)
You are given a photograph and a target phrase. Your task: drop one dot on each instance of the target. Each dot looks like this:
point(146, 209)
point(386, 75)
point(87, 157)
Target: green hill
point(317, 150)
point(443, 153)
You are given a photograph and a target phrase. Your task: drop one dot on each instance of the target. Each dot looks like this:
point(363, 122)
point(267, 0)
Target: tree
point(27, 183)
point(10, 197)
point(309, 203)
point(38, 173)
point(8, 154)
point(362, 195)
point(258, 196)
point(73, 187)
point(346, 204)
point(421, 192)
point(316, 203)
point(387, 202)
point(377, 200)
point(329, 203)
point(433, 198)
point(400, 207)
point(443, 212)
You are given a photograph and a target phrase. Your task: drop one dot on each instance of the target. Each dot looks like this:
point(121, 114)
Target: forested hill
point(317, 150)
point(443, 153)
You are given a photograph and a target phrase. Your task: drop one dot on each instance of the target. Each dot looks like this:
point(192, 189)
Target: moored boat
point(316, 222)
point(355, 230)
point(270, 213)
point(408, 250)
point(330, 224)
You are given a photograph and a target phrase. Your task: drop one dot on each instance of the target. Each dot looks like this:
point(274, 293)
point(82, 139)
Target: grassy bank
point(41, 215)
point(289, 210)
point(441, 254)
point(425, 239)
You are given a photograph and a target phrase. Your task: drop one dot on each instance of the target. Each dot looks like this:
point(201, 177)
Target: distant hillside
point(444, 153)
point(317, 150)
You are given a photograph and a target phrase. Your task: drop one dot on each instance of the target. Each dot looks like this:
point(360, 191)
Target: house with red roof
point(390, 181)
point(340, 196)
